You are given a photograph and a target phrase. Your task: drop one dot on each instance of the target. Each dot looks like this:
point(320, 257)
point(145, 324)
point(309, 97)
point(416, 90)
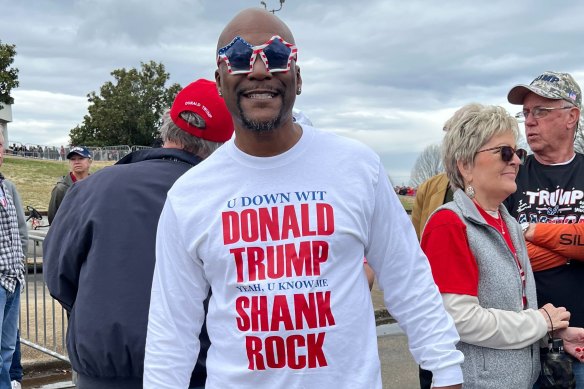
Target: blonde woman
point(479, 259)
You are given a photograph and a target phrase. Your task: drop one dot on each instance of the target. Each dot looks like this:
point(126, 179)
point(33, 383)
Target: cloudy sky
point(388, 73)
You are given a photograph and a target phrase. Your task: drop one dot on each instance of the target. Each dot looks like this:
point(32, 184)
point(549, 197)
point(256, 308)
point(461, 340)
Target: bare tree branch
point(428, 164)
point(579, 141)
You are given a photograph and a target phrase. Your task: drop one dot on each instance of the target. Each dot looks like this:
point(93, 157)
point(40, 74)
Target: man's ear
point(218, 81)
point(574, 118)
point(298, 79)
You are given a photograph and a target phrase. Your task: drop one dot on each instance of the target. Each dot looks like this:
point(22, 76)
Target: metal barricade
point(102, 153)
point(43, 322)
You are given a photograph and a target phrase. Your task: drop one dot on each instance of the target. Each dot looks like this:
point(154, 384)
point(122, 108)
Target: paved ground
point(398, 368)
point(399, 371)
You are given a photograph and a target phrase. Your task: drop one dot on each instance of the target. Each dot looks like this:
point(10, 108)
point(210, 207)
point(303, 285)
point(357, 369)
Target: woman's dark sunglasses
point(507, 153)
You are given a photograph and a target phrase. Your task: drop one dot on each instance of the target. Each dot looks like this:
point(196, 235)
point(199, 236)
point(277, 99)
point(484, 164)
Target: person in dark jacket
point(79, 162)
point(99, 254)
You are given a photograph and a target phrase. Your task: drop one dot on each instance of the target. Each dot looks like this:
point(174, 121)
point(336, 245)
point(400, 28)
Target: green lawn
point(35, 178)
point(407, 202)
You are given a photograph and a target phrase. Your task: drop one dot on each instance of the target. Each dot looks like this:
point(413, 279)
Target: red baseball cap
point(201, 97)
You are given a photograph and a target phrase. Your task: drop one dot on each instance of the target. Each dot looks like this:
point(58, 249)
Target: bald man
point(276, 223)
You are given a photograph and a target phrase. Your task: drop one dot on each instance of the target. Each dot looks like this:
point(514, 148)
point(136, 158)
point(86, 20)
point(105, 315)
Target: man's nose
point(259, 69)
point(530, 120)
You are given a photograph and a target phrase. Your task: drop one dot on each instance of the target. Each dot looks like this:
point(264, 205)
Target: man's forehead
point(253, 38)
point(535, 99)
point(255, 27)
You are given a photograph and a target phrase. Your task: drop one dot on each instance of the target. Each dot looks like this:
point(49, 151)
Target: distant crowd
point(405, 190)
point(106, 153)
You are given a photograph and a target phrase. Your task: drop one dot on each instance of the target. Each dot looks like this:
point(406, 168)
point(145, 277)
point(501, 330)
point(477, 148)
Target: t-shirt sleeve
point(175, 318)
point(542, 258)
point(410, 294)
point(453, 265)
point(562, 239)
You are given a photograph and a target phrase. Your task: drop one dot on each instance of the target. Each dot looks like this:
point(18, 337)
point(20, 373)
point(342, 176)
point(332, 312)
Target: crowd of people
point(403, 190)
point(237, 262)
point(104, 153)
point(38, 151)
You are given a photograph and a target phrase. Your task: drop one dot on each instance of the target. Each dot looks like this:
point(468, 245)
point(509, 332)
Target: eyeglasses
point(239, 55)
point(537, 112)
point(507, 153)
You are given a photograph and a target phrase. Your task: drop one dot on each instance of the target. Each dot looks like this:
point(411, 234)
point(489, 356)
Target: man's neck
point(554, 158)
point(268, 143)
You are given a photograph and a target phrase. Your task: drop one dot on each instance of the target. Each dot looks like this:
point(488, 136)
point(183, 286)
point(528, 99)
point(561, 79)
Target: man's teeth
point(260, 96)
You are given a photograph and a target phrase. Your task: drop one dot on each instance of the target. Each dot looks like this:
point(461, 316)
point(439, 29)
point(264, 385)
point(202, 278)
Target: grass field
point(407, 202)
point(36, 178)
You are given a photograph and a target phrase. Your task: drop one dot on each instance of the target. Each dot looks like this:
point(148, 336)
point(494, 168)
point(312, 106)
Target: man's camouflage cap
point(551, 85)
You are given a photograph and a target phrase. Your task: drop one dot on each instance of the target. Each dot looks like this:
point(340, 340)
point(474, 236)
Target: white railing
point(43, 322)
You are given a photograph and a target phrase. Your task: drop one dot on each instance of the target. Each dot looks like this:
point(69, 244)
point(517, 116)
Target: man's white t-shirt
point(280, 241)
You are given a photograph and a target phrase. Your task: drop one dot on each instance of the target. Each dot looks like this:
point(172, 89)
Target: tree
point(428, 164)
point(8, 74)
point(128, 110)
point(579, 141)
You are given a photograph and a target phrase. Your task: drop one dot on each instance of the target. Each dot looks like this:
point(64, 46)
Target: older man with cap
point(549, 202)
point(79, 163)
point(99, 253)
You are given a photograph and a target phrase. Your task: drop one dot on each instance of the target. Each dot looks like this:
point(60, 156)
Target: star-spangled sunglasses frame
point(239, 55)
point(507, 153)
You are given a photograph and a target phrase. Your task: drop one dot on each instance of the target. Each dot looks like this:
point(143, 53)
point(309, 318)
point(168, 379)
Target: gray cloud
point(385, 72)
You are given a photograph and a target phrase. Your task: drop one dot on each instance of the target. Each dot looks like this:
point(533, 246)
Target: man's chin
point(261, 125)
point(260, 116)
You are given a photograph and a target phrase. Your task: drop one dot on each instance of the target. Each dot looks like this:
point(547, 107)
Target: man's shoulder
point(344, 150)
point(339, 140)
point(208, 169)
point(158, 154)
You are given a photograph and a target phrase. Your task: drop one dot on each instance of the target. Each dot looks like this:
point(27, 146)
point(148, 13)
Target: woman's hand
point(555, 318)
point(573, 338)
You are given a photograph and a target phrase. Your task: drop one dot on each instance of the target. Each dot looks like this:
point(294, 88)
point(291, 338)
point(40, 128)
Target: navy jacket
point(99, 259)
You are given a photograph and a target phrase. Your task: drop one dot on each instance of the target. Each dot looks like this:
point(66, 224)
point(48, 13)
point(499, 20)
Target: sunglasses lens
point(277, 54)
point(522, 154)
point(507, 153)
point(239, 55)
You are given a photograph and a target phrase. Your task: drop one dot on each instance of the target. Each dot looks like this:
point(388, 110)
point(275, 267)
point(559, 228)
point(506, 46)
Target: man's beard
point(260, 126)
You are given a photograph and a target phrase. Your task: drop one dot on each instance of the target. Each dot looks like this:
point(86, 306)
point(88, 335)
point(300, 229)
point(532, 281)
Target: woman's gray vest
point(499, 287)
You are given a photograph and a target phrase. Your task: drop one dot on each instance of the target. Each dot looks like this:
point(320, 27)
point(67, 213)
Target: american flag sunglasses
point(239, 55)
